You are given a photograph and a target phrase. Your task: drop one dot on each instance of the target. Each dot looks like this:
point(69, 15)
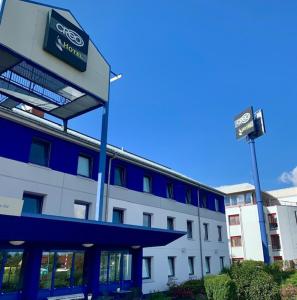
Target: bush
point(196, 286)
point(289, 292)
point(220, 287)
point(180, 292)
point(291, 279)
point(158, 296)
point(263, 287)
point(242, 274)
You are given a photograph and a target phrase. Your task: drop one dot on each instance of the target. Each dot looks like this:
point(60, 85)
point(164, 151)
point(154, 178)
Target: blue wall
point(16, 140)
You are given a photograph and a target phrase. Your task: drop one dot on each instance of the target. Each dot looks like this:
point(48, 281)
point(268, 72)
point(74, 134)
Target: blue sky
point(189, 67)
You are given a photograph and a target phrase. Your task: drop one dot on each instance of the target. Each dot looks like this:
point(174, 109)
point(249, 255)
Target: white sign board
point(11, 206)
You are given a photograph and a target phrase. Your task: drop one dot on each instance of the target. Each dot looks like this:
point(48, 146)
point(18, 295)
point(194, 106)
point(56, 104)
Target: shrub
point(291, 279)
point(180, 292)
point(220, 287)
point(196, 286)
point(263, 287)
point(158, 296)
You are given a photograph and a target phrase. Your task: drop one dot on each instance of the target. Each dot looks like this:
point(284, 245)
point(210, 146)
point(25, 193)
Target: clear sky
point(188, 67)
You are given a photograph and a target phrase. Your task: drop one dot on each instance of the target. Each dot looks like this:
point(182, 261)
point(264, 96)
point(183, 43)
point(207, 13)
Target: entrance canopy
point(67, 232)
point(48, 62)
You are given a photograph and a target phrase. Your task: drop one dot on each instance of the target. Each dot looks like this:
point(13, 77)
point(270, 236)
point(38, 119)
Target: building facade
point(243, 223)
point(55, 174)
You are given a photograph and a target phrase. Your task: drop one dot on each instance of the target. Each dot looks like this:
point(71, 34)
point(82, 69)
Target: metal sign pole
point(259, 201)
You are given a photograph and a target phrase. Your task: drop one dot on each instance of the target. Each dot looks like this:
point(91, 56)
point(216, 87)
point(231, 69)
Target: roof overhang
point(50, 231)
point(31, 75)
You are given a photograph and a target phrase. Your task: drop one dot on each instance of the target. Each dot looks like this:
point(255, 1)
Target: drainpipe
point(107, 188)
point(199, 228)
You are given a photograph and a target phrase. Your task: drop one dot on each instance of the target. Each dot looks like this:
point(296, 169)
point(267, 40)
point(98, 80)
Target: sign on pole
point(244, 123)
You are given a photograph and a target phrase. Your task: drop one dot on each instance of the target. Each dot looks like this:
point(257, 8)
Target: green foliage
point(263, 287)
point(291, 279)
point(196, 286)
point(158, 296)
point(220, 287)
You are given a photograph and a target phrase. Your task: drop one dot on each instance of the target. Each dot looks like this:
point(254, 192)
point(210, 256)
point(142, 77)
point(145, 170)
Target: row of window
point(118, 218)
point(147, 263)
point(40, 155)
point(239, 199)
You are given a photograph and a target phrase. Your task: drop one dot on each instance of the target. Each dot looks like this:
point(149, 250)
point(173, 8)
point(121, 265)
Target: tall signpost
point(251, 126)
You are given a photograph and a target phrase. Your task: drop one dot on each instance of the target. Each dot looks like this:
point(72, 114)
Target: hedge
point(220, 287)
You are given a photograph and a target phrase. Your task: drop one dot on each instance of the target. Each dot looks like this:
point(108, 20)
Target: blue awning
point(59, 231)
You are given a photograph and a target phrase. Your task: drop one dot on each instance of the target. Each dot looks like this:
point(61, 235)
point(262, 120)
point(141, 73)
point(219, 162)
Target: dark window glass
point(222, 264)
point(191, 265)
point(32, 204)
point(81, 210)
point(275, 242)
point(169, 190)
point(127, 266)
point(147, 220)
point(219, 233)
point(12, 269)
point(119, 176)
point(235, 241)
point(204, 202)
point(171, 265)
point(79, 259)
point(205, 225)
point(170, 223)
point(207, 264)
point(234, 220)
point(217, 205)
point(84, 166)
point(189, 230)
point(114, 266)
point(146, 268)
point(147, 184)
point(188, 196)
point(39, 153)
point(118, 216)
point(103, 266)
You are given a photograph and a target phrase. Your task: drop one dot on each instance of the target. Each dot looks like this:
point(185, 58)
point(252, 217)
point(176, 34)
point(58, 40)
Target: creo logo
point(243, 119)
point(72, 36)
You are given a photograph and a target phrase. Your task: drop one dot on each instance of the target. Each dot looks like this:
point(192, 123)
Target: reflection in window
point(46, 270)
point(84, 166)
point(78, 268)
point(233, 200)
point(119, 176)
point(146, 268)
point(12, 270)
point(240, 199)
point(248, 198)
point(39, 152)
point(147, 184)
point(63, 269)
point(114, 267)
point(103, 266)
point(127, 266)
point(169, 191)
point(81, 210)
point(32, 203)
point(171, 264)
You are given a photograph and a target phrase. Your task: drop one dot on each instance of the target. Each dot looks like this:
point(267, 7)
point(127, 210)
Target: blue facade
point(16, 141)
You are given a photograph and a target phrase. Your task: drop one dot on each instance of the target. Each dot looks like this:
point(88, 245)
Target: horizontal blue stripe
point(16, 141)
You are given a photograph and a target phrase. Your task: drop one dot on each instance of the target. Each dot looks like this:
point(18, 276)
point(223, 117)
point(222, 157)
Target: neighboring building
point(243, 223)
point(55, 173)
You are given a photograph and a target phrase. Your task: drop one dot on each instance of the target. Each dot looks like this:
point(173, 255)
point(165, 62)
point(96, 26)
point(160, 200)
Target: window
point(204, 202)
point(81, 210)
point(189, 229)
point(277, 258)
point(248, 198)
point(217, 205)
point(146, 268)
point(46, 270)
point(236, 241)
point(79, 258)
point(234, 220)
point(205, 226)
point(207, 264)
point(147, 220)
point(147, 184)
point(219, 233)
point(39, 152)
point(296, 216)
point(188, 196)
point(114, 266)
point(169, 190)
point(240, 199)
point(170, 223)
point(11, 267)
point(171, 265)
point(222, 264)
point(275, 242)
point(84, 166)
point(63, 269)
point(237, 259)
point(118, 216)
point(227, 201)
point(272, 220)
point(127, 266)
point(32, 203)
point(119, 176)
point(191, 265)
point(233, 200)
